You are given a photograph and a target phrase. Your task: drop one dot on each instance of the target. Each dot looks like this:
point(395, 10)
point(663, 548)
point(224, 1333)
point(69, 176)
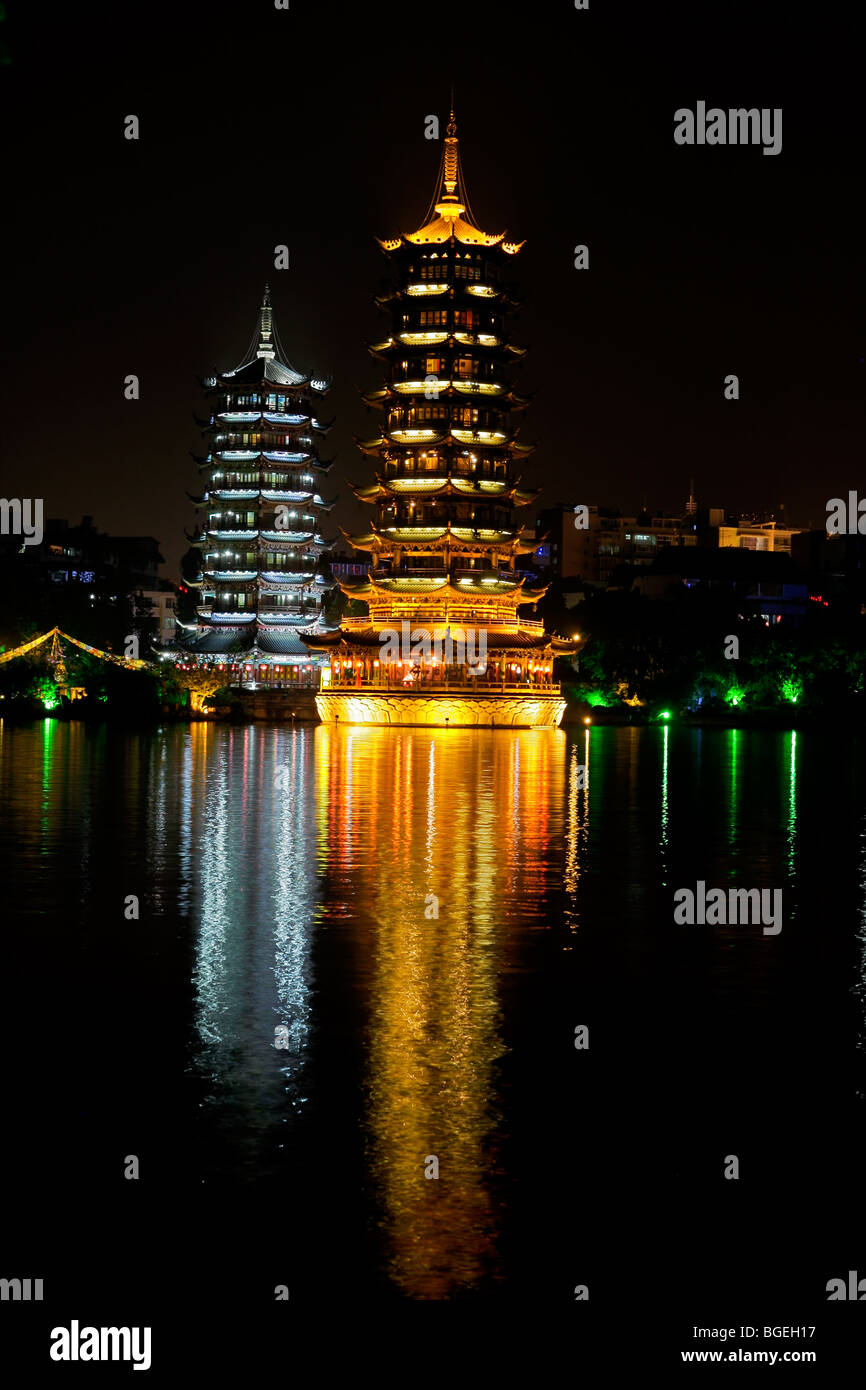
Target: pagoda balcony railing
point(479, 572)
point(439, 519)
point(442, 572)
point(270, 440)
point(483, 685)
point(531, 625)
point(229, 480)
point(395, 468)
point(298, 605)
point(474, 383)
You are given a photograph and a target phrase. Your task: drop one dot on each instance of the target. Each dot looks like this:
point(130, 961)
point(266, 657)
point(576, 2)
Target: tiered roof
point(448, 305)
point(262, 462)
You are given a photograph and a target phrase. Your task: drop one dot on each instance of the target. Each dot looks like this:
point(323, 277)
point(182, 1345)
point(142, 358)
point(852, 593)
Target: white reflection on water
point(254, 896)
point(294, 899)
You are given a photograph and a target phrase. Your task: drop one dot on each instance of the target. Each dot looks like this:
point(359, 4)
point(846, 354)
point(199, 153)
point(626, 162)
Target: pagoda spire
point(266, 327)
point(449, 216)
point(449, 195)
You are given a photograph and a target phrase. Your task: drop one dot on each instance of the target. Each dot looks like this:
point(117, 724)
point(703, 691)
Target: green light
point(665, 714)
point(792, 689)
point(48, 693)
point(597, 699)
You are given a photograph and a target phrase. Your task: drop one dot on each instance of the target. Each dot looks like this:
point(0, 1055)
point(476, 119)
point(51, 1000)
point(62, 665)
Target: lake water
point(290, 880)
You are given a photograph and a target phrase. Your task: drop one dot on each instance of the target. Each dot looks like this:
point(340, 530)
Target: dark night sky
point(306, 127)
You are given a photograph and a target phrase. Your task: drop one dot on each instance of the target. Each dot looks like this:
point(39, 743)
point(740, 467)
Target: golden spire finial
point(450, 171)
point(449, 215)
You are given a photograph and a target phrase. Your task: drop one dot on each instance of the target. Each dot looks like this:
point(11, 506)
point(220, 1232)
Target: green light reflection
point(792, 814)
point(734, 741)
point(664, 815)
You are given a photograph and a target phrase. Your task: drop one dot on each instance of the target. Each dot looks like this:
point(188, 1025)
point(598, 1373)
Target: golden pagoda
point(442, 642)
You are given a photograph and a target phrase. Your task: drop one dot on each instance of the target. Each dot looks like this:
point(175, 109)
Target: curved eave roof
point(280, 643)
point(365, 542)
point(213, 641)
point(437, 289)
point(455, 435)
point(384, 589)
point(458, 486)
point(434, 337)
point(267, 543)
point(452, 228)
point(371, 446)
point(455, 390)
point(371, 637)
point(428, 535)
point(563, 646)
point(441, 229)
point(367, 492)
point(471, 487)
point(260, 369)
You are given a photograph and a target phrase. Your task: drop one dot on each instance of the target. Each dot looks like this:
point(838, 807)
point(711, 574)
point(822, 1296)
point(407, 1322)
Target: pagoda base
point(534, 710)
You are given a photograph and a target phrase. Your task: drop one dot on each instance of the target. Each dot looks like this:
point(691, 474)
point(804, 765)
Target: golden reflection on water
point(458, 823)
point(577, 825)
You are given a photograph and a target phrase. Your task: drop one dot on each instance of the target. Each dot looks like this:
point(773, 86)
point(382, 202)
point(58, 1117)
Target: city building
point(80, 578)
point(758, 535)
point(159, 605)
point(262, 581)
point(445, 539)
point(82, 555)
point(591, 542)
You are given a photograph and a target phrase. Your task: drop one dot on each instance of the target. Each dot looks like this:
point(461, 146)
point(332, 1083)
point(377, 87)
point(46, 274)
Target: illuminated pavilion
point(445, 543)
point(262, 582)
